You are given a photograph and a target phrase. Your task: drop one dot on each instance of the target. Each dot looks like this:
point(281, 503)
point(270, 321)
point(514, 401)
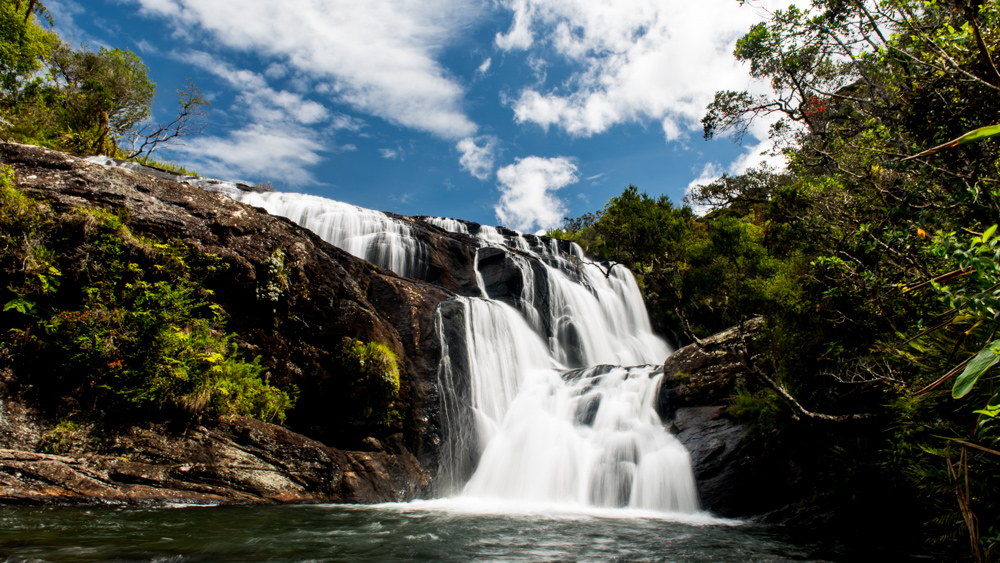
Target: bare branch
point(189, 122)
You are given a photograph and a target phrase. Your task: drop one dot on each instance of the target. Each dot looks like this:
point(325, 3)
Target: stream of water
point(445, 531)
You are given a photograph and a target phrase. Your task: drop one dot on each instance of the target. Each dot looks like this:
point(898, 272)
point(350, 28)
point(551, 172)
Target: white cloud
point(378, 57)
point(519, 36)
point(346, 122)
point(485, 67)
point(255, 151)
point(276, 71)
point(477, 160)
point(527, 189)
point(262, 102)
point(279, 138)
point(635, 60)
point(389, 154)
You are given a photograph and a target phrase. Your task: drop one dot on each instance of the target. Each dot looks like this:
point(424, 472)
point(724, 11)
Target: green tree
point(24, 49)
point(856, 88)
point(102, 95)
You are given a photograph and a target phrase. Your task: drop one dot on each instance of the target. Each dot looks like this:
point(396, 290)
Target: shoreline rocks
point(238, 461)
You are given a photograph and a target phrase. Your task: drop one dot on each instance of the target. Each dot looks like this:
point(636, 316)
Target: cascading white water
point(450, 225)
point(519, 424)
point(367, 234)
point(593, 439)
point(535, 432)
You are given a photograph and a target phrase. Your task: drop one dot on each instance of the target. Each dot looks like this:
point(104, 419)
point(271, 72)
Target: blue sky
point(513, 112)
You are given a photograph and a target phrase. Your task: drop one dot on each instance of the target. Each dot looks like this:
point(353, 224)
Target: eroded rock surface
point(237, 461)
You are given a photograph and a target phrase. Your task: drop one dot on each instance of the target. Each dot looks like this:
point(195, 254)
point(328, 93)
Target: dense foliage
point(115, 326)
point(873, 263)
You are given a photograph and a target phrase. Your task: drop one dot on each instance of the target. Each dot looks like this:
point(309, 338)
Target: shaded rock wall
point(698, 381)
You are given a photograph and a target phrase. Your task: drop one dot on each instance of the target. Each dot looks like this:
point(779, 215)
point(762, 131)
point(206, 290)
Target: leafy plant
point(375, 370)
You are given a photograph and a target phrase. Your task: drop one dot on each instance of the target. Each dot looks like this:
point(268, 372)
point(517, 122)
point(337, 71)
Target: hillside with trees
point(873, 256)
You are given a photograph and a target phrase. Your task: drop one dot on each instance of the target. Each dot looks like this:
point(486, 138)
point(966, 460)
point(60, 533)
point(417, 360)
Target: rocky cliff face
point(736, 476)
point(331, 295)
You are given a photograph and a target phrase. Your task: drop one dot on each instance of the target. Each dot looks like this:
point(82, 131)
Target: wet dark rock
point(723, 465)
point(502, 277)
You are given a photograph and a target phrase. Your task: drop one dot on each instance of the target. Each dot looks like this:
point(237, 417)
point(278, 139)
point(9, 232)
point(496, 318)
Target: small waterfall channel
point(549, 377)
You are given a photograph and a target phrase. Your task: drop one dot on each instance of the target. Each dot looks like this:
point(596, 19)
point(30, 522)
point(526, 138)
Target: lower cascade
point(521, 427)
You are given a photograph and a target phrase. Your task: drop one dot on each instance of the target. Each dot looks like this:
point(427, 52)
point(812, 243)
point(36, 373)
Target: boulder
point(704, 373)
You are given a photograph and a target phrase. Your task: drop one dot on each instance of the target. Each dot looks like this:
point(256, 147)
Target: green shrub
point(762, 410)
point(59, 439)
point(376, 373)
point(128, 330)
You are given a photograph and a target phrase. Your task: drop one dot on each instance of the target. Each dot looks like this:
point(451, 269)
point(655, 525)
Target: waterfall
point(522, 426)
point(589, 438)
point(367, 234)
point(535, 403)
point(450, 225)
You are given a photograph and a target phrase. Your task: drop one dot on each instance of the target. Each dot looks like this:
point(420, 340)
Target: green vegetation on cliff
point(874, 266)
point(375, 371)
point(117, 326)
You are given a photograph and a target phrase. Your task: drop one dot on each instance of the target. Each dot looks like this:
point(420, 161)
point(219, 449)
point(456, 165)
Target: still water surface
point(421, 531)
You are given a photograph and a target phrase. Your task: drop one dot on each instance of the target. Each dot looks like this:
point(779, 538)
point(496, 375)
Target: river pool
point(466, 530)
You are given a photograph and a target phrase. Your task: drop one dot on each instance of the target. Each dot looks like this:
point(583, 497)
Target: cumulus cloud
point(527, 187)
point(635, 60)
point(389, 154)
point(477, 160)
point(379, 57)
